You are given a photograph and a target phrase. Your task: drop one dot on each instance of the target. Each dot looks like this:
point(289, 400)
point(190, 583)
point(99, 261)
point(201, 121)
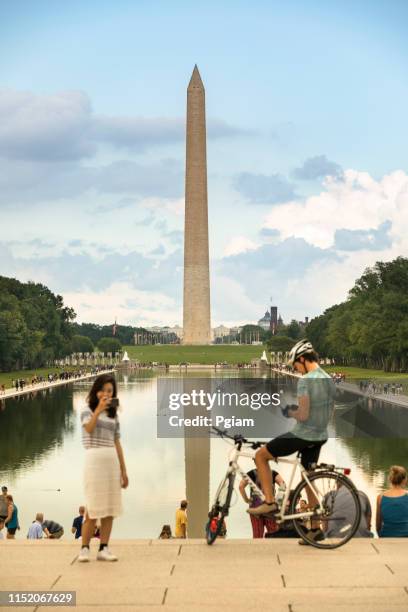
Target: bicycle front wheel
point(336, 508)
point(220, 509)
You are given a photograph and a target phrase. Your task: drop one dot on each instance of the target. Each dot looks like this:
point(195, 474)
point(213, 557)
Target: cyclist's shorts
point(287, 444)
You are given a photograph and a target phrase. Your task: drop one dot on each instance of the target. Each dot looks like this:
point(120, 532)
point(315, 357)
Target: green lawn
point(362, 373)
point(176, 353)
point(6, 378)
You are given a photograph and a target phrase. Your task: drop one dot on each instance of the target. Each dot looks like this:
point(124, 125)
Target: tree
point(280, 344)
point(250, 333)
point(81, 344)
point(109, 345)
point(369, 329)
point(35, 326)
point(293, 330)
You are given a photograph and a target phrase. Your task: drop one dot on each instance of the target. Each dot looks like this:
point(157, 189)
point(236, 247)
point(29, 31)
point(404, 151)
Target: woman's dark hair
point(166, 530)
point(98, 385)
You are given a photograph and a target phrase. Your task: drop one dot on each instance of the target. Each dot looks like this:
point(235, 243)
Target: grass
point(353, 373)
point(174, 354)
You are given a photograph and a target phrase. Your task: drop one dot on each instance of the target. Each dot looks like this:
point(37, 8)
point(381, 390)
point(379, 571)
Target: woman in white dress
point(105, 470)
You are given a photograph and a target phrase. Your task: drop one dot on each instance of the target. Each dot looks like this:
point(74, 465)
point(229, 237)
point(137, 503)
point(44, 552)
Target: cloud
point(272, 269)
point(217, 128)
point(163, 179)
point(53, 127)
point(29, 182)
point(317, 167)
point(239, 244)
point(371, 239)
point(264, 189)
point(63, 127)
point(351, 204)
point(241, 306)
point(146, 221)
point(174, 236)
point(121, 301)
point(159, 250)
point(269, 234)
point(76, 272)
point(290, 257)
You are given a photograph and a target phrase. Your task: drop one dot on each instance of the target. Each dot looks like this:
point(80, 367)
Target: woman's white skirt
point(103, 493)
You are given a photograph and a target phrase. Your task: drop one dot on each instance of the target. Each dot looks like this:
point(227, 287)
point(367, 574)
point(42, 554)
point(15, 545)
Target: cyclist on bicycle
point(315, 394)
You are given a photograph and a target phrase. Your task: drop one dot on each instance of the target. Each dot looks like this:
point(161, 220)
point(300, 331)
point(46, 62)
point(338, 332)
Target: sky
point(306, 142)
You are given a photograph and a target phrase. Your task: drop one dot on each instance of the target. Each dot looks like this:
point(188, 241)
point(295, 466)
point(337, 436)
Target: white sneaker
point(84, 555)
point(106, 555)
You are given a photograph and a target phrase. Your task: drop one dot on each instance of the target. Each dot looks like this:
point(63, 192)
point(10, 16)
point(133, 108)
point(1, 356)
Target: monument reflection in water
point(41, 456)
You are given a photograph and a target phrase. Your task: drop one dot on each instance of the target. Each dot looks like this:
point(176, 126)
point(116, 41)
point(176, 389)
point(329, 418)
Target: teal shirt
point(320, 389)
point(13, 522)
point(394, 515)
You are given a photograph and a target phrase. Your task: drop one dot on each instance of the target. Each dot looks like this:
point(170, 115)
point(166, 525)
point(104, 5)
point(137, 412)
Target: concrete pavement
point(399, 400)
point(29, 388)
point(237, 575)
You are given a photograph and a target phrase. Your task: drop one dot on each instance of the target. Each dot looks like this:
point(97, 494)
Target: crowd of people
point(391, 510)
point(40, 527)
point(338, 377)
point(391, 513)
point(20, 384)
point(372, 387)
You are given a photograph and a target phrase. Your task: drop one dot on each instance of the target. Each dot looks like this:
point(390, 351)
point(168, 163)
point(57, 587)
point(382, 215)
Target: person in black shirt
point(52, 530)
point(77, 523)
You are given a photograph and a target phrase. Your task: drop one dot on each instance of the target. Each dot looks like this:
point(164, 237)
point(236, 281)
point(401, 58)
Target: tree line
point(369, 329)
point(36, 328)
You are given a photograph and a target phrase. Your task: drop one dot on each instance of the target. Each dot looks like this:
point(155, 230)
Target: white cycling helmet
point(300, 348)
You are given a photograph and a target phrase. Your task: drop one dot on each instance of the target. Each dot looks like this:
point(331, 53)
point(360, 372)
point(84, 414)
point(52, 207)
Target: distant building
point(221, 331)
point(177, 330)
point(265, 322)
point(274, 319)
point(159, 335)
point(304, 323)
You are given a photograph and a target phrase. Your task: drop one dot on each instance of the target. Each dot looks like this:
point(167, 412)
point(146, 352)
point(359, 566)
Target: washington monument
point(196, 308)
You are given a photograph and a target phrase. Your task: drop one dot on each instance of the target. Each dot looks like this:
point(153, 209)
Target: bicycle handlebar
point(237, 438)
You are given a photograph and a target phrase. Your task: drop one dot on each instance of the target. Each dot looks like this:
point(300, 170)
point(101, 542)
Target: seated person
point(52, 530)
point(260, 523)
point(344, 510)
point(392, 506)
point(165, 533)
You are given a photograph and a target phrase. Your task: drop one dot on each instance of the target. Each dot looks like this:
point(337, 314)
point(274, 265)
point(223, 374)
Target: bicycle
point(317, 492)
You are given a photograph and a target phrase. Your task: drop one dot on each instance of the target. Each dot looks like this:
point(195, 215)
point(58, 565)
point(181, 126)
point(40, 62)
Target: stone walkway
point(236, 575)
point(47, 385)
point(399, 400)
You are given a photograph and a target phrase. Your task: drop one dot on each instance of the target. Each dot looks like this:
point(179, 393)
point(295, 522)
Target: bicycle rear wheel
point(219, 509)
point(336, 506)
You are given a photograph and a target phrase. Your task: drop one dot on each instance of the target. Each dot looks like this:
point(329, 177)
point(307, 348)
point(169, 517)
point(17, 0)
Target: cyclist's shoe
point(264, 508)
point(316, 535)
